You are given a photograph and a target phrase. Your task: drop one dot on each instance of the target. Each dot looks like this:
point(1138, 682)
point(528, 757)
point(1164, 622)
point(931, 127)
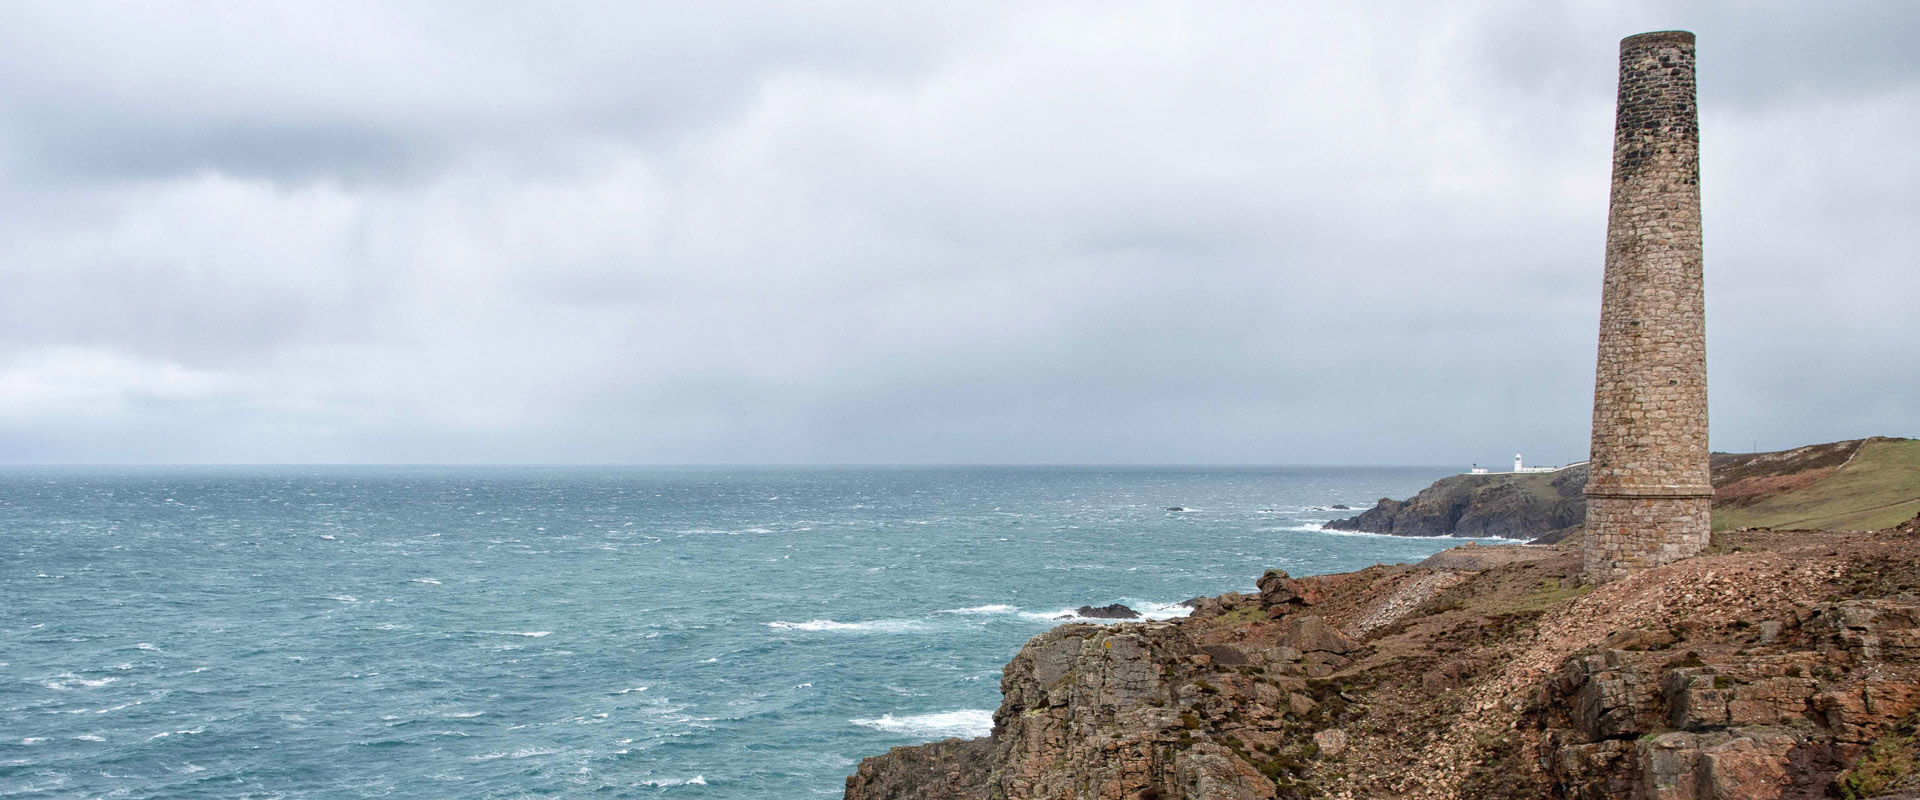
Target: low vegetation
point(1878, 487)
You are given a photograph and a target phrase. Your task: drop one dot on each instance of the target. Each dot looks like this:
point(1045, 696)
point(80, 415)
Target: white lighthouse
point(1520, 467)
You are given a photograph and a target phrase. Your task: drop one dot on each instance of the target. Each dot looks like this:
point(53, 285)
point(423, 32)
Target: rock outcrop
point(1110, 611)
point(1504, 505)
point(945, 769)
point(1774, 667)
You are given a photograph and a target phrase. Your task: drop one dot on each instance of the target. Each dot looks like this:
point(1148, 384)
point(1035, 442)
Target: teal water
point(515, 632)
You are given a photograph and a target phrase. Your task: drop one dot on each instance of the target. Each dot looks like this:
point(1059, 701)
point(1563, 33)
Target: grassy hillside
point(1878, 487)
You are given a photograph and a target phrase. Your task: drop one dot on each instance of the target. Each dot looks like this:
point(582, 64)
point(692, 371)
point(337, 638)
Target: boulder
point(1277, 588)
point(1332, 742)
point(1311, 634)
point(1114, 611)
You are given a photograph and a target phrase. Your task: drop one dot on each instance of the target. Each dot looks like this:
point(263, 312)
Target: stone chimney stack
point(1649, 497)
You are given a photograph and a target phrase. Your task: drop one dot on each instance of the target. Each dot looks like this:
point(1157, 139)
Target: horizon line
point(722, 465)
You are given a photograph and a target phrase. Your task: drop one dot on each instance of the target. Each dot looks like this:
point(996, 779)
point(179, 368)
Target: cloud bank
point(1002, 233)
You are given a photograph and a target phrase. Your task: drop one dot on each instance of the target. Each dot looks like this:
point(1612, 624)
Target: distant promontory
point(1858, 484)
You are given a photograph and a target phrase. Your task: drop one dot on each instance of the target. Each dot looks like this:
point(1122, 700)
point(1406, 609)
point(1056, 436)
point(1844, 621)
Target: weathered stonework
point(1649, 491)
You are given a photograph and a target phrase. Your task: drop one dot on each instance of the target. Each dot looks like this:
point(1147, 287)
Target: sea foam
point(66, 681)
point(992, 609)
point(1486, 539)
point(968, 722)
point(1148, 611)
point(873, 626)
point(697, 780)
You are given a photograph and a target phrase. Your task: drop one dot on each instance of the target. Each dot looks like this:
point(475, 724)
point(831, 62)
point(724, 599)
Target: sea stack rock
point(1648, 496)
point(1114, 611)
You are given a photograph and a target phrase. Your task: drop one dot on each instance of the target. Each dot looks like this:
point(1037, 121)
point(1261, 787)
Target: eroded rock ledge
point(1768, 669)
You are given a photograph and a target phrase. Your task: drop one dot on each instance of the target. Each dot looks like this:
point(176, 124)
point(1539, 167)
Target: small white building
point(1519, 468)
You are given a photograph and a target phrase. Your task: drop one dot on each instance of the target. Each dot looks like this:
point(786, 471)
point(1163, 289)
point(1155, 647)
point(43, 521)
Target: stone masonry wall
point(1649, 487)
point(1626, 534)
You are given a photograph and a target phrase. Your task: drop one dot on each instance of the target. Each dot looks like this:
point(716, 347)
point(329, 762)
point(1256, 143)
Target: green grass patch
point(1879, 488)
point(1890, 760)
point(1547, 594)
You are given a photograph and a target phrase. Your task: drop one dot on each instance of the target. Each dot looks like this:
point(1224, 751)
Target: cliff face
point(1776, 667)
point(1508, 506)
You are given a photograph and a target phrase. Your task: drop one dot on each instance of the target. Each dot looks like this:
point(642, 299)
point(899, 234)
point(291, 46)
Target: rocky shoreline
point(1775, 666)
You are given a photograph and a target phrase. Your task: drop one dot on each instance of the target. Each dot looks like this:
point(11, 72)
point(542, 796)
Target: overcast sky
point(1102, 232)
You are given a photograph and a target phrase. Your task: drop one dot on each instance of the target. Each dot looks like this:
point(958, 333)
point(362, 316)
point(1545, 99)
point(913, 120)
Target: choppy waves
point(700, 633)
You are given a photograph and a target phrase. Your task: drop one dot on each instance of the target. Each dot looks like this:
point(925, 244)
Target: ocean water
point(518, 632)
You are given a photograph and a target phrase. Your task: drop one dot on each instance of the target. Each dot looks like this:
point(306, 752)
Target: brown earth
point(1743, 479)
point(1774, 666)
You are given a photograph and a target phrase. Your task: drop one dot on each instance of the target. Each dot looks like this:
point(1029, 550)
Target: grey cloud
point(92, 147)
point(394, 93)
point(1063, 233)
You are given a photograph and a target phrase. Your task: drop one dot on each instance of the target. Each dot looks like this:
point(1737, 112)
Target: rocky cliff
point(1509, 506)
point(1773, 667)
point(1859, 483)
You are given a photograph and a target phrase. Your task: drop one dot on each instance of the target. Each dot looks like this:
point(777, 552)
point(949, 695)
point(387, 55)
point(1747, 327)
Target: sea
point(307, 632)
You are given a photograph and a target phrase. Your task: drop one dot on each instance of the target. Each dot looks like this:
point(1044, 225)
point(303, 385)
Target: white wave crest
point(1148, 610)
point(873, 626)
point(1486, 539)
point(187, 732)
point(992, 609)
point(524, 752)
point(528, 634)
point(67, 681)
point(967, 722)
point(697, 780)
point(728, 532)
point(1159, 611)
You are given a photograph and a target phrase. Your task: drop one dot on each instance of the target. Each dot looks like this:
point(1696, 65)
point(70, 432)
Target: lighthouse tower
point(1516, 463)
